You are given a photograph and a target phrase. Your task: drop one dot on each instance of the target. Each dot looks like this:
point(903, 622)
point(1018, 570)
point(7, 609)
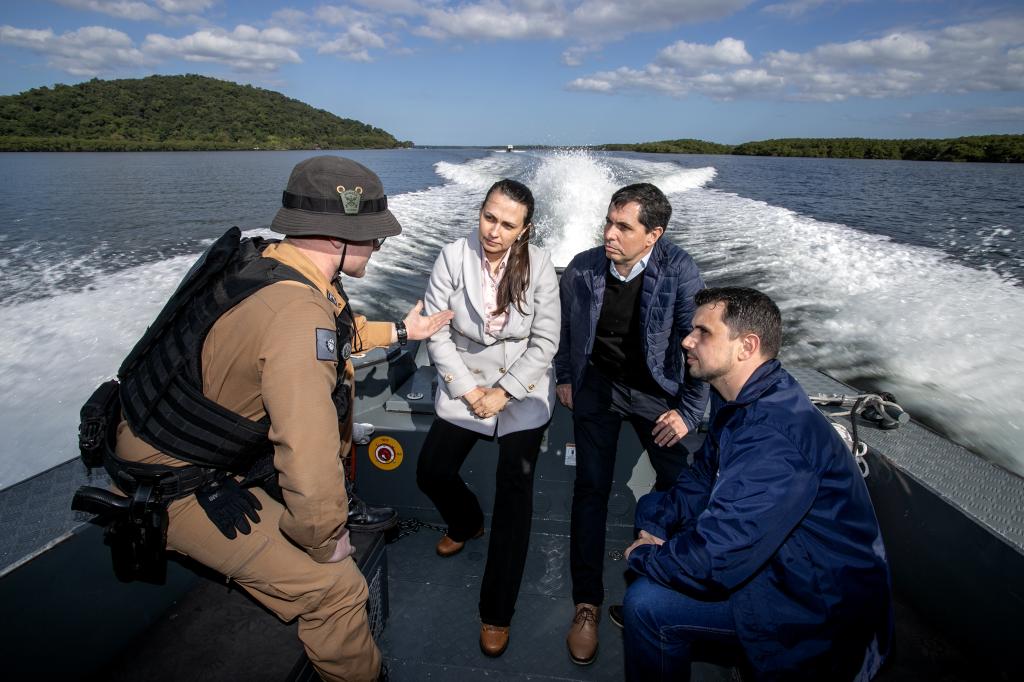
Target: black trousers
point(437, 475)
point(599, 408)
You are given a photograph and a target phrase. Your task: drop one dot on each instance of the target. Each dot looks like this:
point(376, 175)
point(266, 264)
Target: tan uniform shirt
point(260, 359)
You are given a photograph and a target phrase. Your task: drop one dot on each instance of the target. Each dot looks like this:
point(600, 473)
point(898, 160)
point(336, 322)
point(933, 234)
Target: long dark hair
point(512, 289)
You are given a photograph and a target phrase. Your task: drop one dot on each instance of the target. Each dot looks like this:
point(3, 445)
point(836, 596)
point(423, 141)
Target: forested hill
point(173, 113)
point(991, 148)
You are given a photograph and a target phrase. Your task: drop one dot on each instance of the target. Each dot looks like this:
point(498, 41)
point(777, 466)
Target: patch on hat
point(327, 345)
point(350, 199)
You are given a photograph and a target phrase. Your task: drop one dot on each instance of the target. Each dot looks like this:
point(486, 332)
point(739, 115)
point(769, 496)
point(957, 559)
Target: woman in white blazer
point(495, 381)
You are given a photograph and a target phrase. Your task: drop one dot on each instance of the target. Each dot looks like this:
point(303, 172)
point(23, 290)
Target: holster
point(136, 529)
point(136, 525)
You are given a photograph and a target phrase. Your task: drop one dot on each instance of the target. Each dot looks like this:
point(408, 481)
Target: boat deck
point(216, 632)
point(956, 563)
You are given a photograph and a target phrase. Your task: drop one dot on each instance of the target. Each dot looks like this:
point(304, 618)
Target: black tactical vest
point(161, 390)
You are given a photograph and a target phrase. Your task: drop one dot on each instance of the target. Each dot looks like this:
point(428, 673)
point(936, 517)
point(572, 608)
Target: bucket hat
point(332, 196)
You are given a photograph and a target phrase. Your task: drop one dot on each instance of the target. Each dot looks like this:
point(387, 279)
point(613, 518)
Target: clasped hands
point(486, 401)
point(644, 539)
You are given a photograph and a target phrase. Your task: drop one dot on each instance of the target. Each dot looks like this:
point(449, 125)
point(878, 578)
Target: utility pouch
point(136, 530)
point(98, 415)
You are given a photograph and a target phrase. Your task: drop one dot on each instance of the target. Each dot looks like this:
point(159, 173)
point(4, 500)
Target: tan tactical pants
point(328, 599)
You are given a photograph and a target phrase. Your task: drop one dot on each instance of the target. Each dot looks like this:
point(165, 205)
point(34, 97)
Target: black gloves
point(228, 504)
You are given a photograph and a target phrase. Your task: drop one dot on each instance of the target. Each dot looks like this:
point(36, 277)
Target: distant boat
point(509, 148)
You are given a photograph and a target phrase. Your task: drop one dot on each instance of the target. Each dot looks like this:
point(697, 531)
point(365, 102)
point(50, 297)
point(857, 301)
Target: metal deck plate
point(990, 495)
point(36, 513)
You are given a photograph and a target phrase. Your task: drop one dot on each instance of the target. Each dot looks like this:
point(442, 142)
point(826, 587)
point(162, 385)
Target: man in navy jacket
point(769, 540)
point(626, 306)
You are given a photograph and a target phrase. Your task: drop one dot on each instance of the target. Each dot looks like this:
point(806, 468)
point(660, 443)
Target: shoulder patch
point(327, 345)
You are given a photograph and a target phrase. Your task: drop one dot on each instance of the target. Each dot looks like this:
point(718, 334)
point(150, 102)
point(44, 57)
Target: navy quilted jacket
point(671, 280)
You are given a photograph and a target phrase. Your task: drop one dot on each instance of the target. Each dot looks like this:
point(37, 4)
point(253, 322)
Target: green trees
point(685, 146)
point(181, 113)
point(989, 148)
point(992, 148)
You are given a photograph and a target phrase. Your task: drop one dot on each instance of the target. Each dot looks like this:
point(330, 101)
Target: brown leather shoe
point(447, 547)
point(582, 637)
point(493, 639)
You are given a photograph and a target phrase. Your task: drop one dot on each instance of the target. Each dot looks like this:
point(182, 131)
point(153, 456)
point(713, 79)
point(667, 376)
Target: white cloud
point(122, 9)
point(340, 16)
point(496, 20)
point(244, 49)
point(30, 38)
point(893, 48)
point(539, 19)
point(683, 68)
point(137, 10)
point(670, 81)
point(976, 57)
point(794, 8)
point(601, 82)
point(360, 32)
point(279, 36)
point(616, 17)
point(589, 23)
point(742, 82)
point(184, 6)
point(289, 16)
point(89, 51)
point(354, 44)
point(651, 77)
point(693, 56)
point(409, 7)
point(574, 56)
point(797, 8)
point(368, 25)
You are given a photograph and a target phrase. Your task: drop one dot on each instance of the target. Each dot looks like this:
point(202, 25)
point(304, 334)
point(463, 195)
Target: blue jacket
point(671, 280)
point(775, 517)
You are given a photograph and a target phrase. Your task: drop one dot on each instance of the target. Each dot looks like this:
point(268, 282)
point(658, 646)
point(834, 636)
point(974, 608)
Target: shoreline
point(1000, 149)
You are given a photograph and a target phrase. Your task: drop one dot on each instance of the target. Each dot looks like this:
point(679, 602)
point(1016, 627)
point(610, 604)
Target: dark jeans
point(599, 407)
point(437, 475)
point(663, 630)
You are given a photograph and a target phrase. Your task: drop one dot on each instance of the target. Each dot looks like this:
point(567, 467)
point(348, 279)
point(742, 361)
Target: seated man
point(769, 541)
point(249, 363)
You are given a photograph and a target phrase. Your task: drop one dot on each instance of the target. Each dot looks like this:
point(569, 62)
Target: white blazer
point(518, 358)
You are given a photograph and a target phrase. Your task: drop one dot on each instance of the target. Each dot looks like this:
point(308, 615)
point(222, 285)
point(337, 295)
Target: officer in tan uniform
point(275, 355)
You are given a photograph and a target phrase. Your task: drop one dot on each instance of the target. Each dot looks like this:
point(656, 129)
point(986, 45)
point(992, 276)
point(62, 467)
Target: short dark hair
point(655, 211)
point(747, 311)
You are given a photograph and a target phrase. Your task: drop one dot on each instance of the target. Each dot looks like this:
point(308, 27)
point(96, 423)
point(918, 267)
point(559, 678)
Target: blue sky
point(568, 72)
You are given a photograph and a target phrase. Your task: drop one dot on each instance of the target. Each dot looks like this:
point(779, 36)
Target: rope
point(884, 405)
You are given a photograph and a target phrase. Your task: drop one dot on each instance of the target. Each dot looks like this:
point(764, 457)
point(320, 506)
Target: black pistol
point(136, 530)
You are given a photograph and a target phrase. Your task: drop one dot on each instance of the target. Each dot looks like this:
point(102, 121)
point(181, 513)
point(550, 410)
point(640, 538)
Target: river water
point(901, 276)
